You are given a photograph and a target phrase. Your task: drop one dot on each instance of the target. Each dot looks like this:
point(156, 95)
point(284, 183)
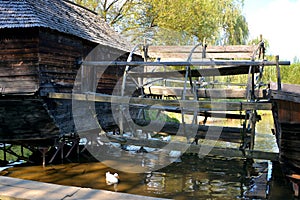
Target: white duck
point(112, 178)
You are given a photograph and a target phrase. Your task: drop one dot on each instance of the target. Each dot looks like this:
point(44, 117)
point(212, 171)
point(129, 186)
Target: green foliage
point(257, 41)
point(161, 116)
point(172, 22)
point(214, 21)
point(289, 74)
point(17, 150)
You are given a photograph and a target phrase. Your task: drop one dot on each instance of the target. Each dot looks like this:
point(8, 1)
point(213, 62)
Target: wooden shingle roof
point(60, 15)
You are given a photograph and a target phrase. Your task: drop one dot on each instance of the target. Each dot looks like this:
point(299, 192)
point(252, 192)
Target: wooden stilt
point(44, 150)
point(295, 179)
point(4, 152)
point(22, 150)
point(74, 141)
point(62, 151)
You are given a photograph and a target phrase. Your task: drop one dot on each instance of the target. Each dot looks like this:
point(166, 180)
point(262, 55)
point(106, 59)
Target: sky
point(279, 23)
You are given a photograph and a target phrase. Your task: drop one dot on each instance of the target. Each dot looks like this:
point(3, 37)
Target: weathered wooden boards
point(290, 145)
point(18, 61)
point(287, 122)
point(288, 92)
point(182, 52)
point(26, 119)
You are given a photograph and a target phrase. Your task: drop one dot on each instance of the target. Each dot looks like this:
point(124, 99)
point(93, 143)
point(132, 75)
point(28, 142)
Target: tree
point(175, 21)
point(112, 11)
point(215, 21)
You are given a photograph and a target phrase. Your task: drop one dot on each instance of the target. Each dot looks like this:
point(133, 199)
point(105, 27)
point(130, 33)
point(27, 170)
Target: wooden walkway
point(19, 189)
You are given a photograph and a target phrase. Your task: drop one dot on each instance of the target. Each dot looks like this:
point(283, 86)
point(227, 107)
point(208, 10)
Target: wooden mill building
point(41, 42)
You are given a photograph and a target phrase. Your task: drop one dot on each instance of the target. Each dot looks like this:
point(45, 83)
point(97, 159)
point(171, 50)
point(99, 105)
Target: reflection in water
point(191, 178)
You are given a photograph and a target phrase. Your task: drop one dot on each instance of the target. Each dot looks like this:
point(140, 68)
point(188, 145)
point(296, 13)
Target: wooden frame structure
point(192, 94)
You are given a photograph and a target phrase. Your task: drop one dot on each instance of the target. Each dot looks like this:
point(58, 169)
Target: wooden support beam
point(179, 104)
point(222, 71)
point(230, 63)
point(228, 134)
point(191, 148)
point(226, 115)
point(203, 93)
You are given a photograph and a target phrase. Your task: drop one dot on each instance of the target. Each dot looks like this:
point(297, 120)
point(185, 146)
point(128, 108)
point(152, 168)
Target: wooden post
point(4, 152)
point(253, 127)
point(253, 84)
point(78, 149)
point(278, 73)
point(44, 158)
point(22, 150)
point(62, 151)
point(44, 150)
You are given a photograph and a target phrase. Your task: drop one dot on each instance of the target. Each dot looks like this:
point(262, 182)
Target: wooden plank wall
point(290, 145)
point(25, 119)
point(58, 71)
point(58, 54)
point(18, 61)
point(287, 120)
point(45, 60)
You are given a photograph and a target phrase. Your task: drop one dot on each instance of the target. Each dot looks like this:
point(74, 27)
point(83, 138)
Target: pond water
point(190, 177)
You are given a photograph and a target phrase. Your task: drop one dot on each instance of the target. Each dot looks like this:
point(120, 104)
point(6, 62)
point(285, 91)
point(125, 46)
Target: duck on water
point(112, 178)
